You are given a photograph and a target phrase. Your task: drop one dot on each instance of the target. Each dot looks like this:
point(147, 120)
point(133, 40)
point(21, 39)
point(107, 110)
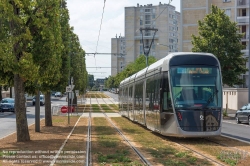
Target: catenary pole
point(248, 51)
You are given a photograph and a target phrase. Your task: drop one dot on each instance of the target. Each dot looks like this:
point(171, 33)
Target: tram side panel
point(152, 103)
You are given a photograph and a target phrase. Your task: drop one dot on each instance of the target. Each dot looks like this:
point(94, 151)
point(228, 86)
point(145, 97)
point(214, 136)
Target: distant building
point(194, 10)
point(162, 17)
point(118, 46)
point(100, 82)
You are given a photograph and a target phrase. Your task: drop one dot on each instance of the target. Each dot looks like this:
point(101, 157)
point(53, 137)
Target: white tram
point(179, 95)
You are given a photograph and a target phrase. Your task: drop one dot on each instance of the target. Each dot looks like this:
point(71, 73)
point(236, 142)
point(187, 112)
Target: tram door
point(152, 104)
point(166, 112)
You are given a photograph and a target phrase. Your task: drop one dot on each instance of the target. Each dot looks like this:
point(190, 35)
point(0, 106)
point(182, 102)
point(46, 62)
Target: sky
point(96, 27)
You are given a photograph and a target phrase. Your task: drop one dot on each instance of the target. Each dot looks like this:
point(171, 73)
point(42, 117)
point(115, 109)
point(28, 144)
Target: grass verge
point(108, 148)
point(164, 152)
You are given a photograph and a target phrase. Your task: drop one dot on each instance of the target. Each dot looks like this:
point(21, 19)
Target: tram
point(180, 95)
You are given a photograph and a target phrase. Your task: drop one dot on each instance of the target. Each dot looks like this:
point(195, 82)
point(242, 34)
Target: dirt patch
point(44, 145)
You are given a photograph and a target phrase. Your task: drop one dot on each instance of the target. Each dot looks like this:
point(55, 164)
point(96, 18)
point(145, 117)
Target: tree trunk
point(21, 117)
point(48, 116)
point(1, 97)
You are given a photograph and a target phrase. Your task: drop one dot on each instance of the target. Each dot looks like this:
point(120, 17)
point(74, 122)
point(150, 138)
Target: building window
point(228, 12)
point(141, 22)
point(147, 22)
point(147, 33)
point(147, 10)
point(147, 17)
point(171, 40)
point(226, 0)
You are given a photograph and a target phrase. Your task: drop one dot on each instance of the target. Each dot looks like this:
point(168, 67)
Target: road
point(236, 131)
point(8, 121)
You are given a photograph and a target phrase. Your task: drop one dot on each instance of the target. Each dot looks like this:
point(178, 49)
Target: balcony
point(146, 37)
point(245, 37)
point(242, 3)
point(243, 20)
point(245, 52)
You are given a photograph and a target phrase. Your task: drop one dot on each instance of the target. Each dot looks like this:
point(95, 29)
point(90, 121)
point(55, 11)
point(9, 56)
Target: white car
point(58, 94)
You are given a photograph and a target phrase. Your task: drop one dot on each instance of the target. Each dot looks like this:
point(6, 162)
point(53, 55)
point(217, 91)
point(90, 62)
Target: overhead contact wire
point(100, 27)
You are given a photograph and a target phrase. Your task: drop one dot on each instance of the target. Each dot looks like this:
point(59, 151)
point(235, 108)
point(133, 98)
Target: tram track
point(137, 152)
point(185, 145)
point(236, 153)
point(88, 161)
point(196, 152)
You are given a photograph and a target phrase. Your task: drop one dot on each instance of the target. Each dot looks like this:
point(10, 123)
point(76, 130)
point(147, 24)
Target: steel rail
point(139, 154)
point(88, 141)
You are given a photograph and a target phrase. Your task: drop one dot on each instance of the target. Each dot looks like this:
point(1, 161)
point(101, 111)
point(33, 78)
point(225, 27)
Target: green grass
point(110, 150)
point(114, 106)
point(230, 157)
point(162, 151)
point(120, 156)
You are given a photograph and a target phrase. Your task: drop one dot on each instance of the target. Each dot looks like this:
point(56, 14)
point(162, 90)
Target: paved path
point(100, 101)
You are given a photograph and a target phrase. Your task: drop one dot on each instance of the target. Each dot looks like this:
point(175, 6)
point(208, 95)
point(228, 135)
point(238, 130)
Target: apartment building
point(194, 10)
point(118, 45)
point(156, 24)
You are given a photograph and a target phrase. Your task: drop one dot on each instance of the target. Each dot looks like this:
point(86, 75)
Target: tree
point(17, 61)
point(219, 36)
point(91, 81)
point(132, 68)
point(29, 49)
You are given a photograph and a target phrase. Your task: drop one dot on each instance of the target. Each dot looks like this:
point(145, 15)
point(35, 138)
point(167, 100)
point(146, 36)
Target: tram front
point(197, 95)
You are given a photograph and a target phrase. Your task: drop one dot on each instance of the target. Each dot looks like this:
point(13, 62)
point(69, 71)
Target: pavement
point(231, 113)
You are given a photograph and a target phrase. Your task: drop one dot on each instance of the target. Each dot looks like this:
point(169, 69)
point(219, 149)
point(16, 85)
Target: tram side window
point(138, 105)
point(120, 99)
point(157, 82)
point(130, 98)
point(149, 94)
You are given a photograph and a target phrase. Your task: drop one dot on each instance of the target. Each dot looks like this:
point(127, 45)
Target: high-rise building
point(194, 10)
point(118, 45)
point(159, 25)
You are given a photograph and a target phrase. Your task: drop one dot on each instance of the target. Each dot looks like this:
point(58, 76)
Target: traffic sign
point(77, 92)
point(68, 89)
point(64, 109)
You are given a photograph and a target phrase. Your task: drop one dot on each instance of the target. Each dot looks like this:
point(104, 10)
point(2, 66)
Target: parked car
point(7, 105)
point(243, 114)
point(53, 93)
point(58, 94)
point(42, 100)
point(28, 97)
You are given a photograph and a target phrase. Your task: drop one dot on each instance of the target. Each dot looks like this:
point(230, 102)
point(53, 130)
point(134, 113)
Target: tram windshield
point(196, 87)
